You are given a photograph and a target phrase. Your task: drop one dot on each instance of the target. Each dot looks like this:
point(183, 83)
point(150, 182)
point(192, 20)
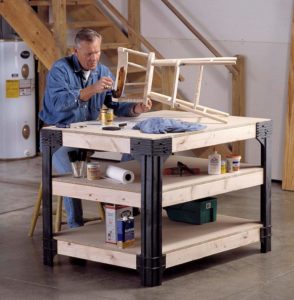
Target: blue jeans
point(73, 207)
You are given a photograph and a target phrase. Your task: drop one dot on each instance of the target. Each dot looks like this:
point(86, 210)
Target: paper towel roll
point(122, 175)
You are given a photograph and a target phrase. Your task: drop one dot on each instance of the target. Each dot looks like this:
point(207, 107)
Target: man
point(77, 87)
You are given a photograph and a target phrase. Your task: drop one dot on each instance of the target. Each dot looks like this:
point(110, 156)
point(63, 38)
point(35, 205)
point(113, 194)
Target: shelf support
point(151, 154)
point(263, 135)
point(51, 140)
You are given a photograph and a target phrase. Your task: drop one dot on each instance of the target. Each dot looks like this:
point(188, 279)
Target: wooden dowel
point(137, 66)
point(198, 88)
point(134, 83)
point(139, 53)
point(195, 61)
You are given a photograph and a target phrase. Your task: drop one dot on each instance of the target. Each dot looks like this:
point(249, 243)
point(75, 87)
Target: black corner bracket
point(265, 232)
point(155, 263)
point(160, 147)
point(264, 130)
point(51, 138)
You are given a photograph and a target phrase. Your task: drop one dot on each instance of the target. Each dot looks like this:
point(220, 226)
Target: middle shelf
point(175, 189)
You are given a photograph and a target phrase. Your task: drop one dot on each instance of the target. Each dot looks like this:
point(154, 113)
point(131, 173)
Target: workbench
point(160, 243)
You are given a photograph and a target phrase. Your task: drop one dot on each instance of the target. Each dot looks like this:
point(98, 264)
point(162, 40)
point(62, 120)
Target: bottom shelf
point(181, 242)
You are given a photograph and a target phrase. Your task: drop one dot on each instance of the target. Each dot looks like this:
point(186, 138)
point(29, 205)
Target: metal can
point(223, 167)
point(93, 171)
point(109, 116)
point(103, 116)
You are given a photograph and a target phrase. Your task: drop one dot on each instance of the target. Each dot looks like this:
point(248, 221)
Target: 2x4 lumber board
point(68, 2)
point(24, 20)
point(96, 142)
point(211, 185)
point(59, 25)
point(86, 24)
point(181, 242)
point(134, 19)
point(211, 138)
point(238, 100)
point(288, 171)
point(105, 190)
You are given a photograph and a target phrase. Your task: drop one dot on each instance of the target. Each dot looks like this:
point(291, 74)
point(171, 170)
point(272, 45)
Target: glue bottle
point(214, 163)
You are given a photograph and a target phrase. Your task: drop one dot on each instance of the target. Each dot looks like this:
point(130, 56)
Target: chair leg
point(101, 211)
point(36, 212)
point(58, 216)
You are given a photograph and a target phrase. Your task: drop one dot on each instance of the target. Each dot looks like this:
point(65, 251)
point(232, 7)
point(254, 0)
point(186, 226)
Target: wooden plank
point(88, 23)
point(288, 170)
point(106, 256)
point(224, 183)
point(134, 19)
point(68, 2)
point(105, 190)
point(31, 29)
point(200, 250)
point(214, 138)
point(238, 100)
point(59, 25)
point(105, 143)
point(181, 242)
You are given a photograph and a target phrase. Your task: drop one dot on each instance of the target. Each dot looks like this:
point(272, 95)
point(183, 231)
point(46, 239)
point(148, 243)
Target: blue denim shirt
point(61, 103)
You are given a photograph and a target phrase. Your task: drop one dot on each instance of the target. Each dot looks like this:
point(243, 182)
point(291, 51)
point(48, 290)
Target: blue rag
point(163, 125)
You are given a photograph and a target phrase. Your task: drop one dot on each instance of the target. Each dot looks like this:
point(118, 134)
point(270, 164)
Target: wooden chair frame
point(171, 100)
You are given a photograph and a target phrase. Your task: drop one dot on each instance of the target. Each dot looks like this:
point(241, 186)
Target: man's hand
point(141, 107)
point(100, 86)
point(104, 84)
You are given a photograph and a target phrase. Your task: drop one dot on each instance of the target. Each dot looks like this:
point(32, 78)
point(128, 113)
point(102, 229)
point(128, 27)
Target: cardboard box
point(113, 213)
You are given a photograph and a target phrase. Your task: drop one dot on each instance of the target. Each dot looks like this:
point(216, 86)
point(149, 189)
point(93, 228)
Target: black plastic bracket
point(263, 131)
point(265, 232)
point(151, 147)
point(264, 136)
point(151, 155)
point(51, 140)
point(151, 263)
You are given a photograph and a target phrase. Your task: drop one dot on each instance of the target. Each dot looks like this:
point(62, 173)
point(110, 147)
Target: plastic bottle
point(214, 163)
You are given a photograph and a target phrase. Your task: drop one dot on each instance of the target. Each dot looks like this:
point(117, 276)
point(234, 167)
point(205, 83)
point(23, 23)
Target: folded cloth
point(164, 125)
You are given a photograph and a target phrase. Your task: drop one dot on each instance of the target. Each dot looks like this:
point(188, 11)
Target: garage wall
point(258, 30)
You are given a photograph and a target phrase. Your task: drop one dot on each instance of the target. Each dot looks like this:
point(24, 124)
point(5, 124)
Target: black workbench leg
point(51, 141)
point(264, 131)
point(152, 263)
point(151, 154)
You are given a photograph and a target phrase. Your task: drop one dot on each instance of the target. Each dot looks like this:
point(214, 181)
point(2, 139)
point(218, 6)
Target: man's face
point(88, 54)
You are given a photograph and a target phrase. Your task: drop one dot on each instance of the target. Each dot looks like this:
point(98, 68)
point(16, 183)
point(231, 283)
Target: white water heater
point(17, 101)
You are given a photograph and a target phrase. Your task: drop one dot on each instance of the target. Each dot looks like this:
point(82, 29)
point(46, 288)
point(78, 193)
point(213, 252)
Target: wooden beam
point(288, 172)
point(238, 100)
point(23, 19)
point(134, 18)
point(59, 25)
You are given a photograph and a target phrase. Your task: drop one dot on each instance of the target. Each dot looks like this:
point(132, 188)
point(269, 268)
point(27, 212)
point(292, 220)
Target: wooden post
point(43, 13)
point(134, 19)
point(238, 100)
point(59, 25)
point(288, 172)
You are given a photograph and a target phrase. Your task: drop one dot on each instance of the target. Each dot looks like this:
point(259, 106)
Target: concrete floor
point(241, 274)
